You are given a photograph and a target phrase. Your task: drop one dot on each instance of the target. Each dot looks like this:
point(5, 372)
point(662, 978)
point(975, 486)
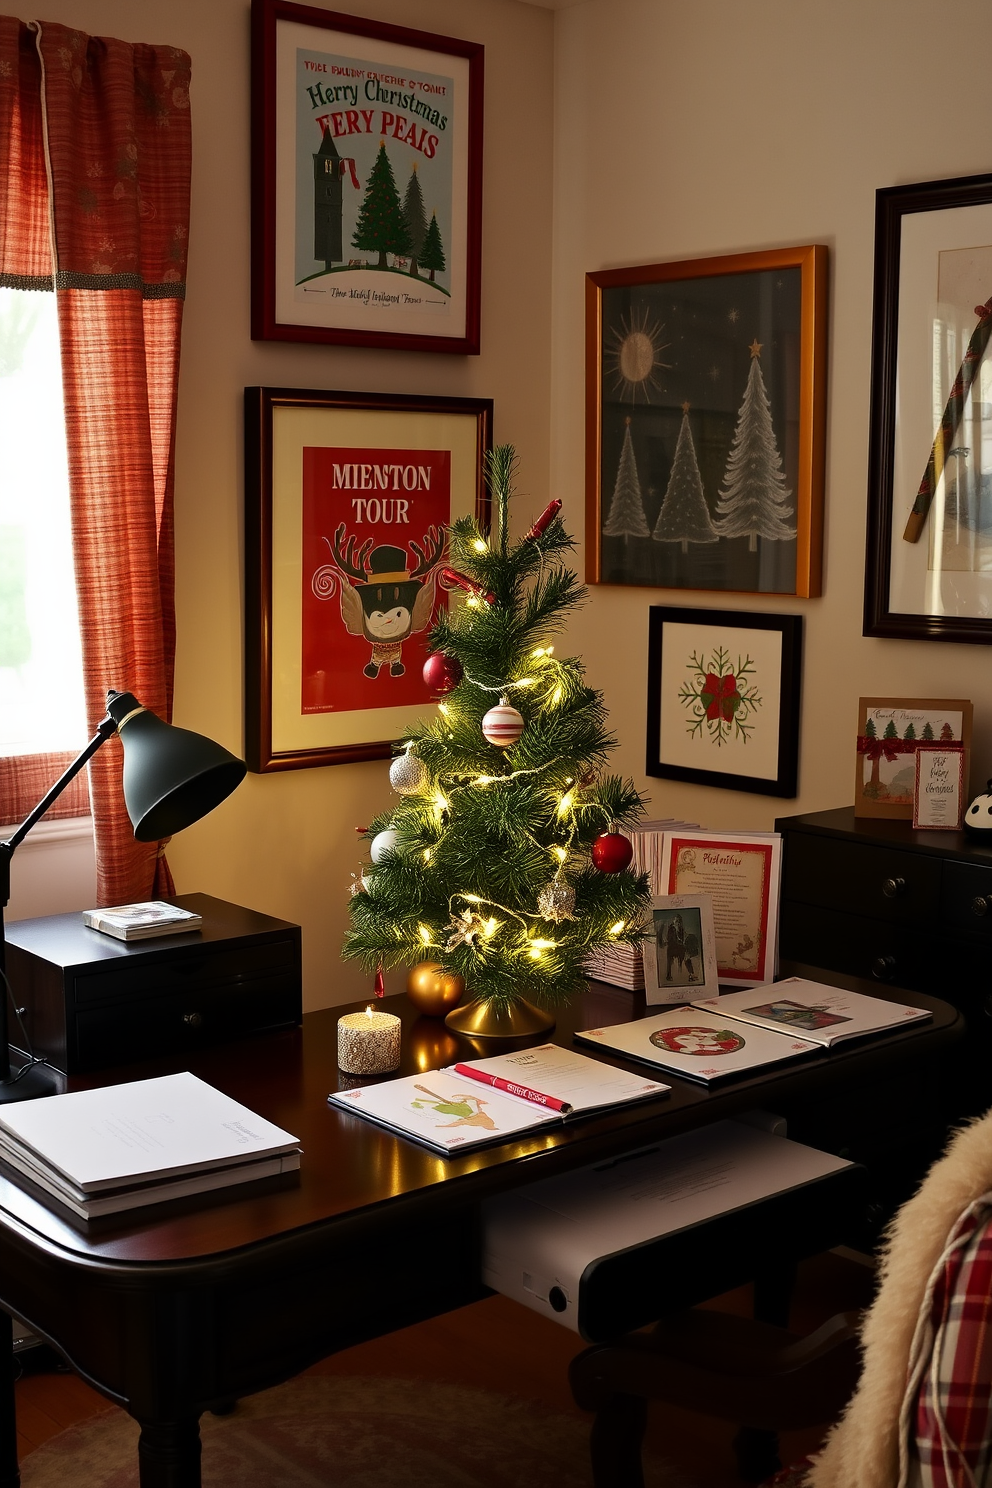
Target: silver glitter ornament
point(408, 774)
point(556, 901)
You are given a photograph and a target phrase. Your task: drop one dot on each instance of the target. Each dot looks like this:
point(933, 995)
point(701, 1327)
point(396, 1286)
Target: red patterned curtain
point(116, 131)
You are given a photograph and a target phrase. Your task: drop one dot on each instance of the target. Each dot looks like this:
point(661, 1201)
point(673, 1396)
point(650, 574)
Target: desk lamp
point(172, 777)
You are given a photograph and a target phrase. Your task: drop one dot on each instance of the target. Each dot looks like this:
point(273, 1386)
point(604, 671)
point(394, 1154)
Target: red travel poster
point(373, 540)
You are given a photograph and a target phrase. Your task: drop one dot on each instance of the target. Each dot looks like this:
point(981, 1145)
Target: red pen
point(524, 1091)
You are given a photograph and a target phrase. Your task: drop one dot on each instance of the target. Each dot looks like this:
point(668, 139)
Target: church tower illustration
point(327, 188)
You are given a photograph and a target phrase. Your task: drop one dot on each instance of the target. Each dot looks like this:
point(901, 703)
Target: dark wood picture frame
point(410, 419)
point(660, 337)
point(899, 484)
point(665, 689)
point(407, 113)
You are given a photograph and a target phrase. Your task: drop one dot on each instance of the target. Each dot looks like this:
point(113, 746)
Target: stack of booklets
point(142, 921)
point(469, 1105)
point(717, 1037)
point(126, 1146)
point(623, 965)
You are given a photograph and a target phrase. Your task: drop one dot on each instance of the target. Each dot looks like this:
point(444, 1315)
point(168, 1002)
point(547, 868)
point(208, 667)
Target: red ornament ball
point(442, 673)
point(612, 852)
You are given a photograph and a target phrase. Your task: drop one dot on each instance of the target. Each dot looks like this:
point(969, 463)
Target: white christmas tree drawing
point(684, 515)
point(626, 516)
point(754, 500)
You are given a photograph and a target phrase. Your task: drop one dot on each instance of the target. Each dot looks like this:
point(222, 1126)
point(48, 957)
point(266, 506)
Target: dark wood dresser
point(875, 899)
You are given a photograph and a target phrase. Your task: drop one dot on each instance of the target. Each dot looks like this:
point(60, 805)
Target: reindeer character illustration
point(381, 598)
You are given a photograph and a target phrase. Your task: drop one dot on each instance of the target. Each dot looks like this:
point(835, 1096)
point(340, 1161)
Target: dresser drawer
point(190, 970)
point(883, 950)
point(878, 882)
point(966, 900)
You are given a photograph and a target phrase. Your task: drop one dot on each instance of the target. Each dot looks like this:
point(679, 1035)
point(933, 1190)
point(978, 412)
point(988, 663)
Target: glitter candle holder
point(368, 1043)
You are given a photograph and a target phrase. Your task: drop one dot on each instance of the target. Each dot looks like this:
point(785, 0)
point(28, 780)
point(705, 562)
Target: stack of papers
point(142, 921)
point(623, 965)
point(126, 1146)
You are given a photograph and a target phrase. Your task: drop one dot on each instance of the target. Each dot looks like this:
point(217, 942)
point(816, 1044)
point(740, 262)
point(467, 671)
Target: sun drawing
point(634, 359)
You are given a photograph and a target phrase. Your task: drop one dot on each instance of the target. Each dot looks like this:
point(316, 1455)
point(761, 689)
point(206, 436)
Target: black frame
point(790, 686)
point(892, 203)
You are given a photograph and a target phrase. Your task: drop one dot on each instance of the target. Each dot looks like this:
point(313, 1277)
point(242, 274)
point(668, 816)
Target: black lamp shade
point(172, 776)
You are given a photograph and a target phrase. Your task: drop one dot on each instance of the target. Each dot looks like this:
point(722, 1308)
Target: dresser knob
point(883, 967)
point(980, 905)
point(893, 887)
point(193, 1020)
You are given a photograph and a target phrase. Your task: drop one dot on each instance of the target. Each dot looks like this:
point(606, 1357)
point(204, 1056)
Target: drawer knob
point(883, 967)
point(980, 905)
point(893, 887)
point(193, 1020)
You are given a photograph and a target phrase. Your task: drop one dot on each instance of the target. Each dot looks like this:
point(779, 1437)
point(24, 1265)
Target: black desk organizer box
point(91, 1001)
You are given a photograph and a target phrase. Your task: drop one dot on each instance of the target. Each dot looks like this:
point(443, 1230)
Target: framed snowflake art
point(705, 414)
point(724, 698)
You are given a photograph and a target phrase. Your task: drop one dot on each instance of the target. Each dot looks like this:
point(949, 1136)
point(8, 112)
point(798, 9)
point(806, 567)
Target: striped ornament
point(502, 725)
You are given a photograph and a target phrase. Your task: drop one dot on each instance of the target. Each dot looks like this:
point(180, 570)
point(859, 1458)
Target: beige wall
point(719, 127)
point(285, 843)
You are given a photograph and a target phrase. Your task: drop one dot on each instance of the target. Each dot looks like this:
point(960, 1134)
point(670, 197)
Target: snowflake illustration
point(721, 698)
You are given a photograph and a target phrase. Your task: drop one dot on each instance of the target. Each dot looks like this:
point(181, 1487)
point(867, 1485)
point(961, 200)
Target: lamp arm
point(105, 730)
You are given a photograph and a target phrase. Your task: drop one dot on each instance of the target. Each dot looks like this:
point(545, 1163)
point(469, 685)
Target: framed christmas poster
point(348, 498)
point(724, 697)
point(705, 417)
point(928, 572)
point(366, 181)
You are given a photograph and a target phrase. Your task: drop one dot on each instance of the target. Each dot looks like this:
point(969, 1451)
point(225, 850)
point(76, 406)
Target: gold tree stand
point(482, 1019)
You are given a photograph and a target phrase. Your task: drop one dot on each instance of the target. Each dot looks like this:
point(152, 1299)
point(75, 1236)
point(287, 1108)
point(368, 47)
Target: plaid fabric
point(953, 1409)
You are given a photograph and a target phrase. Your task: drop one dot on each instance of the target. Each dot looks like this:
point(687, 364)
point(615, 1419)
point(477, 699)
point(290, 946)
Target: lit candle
point(368, 1043)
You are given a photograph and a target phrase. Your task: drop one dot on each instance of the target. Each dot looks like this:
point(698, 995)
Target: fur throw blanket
point(866, 1449)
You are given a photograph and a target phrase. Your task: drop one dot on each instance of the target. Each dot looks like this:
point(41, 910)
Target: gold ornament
point(432, 990)
point(556, 901)
point(466, 929)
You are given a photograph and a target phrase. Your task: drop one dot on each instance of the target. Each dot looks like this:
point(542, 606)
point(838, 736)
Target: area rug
point(353, 1433)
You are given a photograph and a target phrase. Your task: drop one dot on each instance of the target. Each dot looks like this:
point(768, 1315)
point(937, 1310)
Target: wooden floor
point(500, 1346)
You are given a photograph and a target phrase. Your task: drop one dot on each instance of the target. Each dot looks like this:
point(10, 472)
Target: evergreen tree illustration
point(381, 227)
point(910, 732)
point(684, 515)
point(927, 732)
point(432, 252)
point(626, 517)
point(415, 216)
point(891, 732)
point(754, 500)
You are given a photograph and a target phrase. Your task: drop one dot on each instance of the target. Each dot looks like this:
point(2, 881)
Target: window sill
point(63, 829)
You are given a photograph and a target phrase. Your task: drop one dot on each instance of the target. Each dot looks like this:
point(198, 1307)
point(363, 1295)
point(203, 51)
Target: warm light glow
point(424, 934)
point(472, 602)
point(440, 802)
point(368, 1012)
point(535, 954)
point(485, 779)
point(561, 853)
point(472, 898)
point(535, 655)
point(480, 545)
point(544, 945)
point(490, 927)
point(556, 696)
point(565, 804)
point(427, 854)
point(443, 708)
point(525, 682)
point(616, 929)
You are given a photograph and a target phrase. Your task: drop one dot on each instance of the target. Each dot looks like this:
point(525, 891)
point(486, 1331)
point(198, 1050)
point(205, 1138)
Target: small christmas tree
point(754, 500)
point(684, 515)
point(381, 227)
point(490, 863)
point(432, 252)
point(626, 515)
point(416, 219)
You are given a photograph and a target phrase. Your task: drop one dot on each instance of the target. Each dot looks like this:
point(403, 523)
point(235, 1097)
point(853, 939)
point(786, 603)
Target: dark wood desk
point(183, 1308)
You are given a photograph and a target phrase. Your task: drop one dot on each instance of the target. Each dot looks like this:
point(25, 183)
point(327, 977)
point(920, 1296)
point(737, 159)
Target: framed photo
point(705, 418)
point(939, 789)
point(724, 698)
point(890, 731)
point(929, 557)
point(741, 873)
point(348, 496)
point(680, 954)
point(366, 182)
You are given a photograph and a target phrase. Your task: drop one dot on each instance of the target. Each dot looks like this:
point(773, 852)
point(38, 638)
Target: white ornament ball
point(382, 843)
point(503, 725)
point(408, 775)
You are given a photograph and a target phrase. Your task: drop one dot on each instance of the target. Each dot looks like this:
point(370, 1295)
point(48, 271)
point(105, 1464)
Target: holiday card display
point(812, 1010)
point(939, 788)
point(740, 872)
point(890, 731)
point(679, 958)
point(705, 411)
point(505, 857)
point(698, 1044)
